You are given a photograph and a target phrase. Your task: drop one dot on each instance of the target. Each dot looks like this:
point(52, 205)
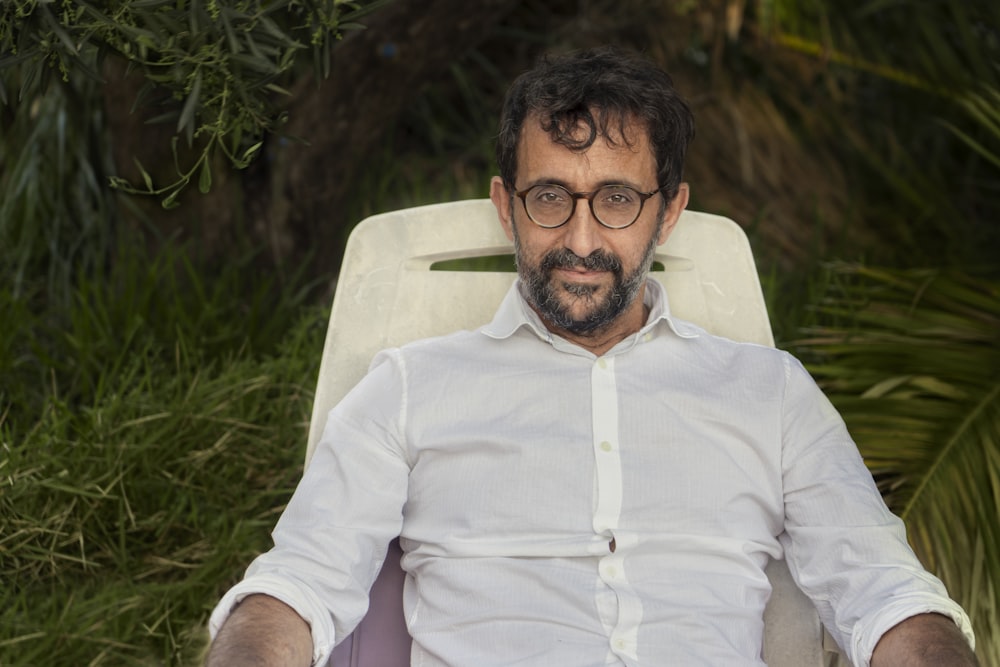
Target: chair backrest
point(388, 293)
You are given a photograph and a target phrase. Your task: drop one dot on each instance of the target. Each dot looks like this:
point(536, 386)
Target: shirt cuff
point(305, 604)
point(866, 635)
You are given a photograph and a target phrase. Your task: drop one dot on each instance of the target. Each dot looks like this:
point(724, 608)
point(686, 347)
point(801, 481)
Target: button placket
point(607, 460)
point(624, 628)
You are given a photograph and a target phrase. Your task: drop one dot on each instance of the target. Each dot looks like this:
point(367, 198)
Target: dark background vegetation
point(160, 339)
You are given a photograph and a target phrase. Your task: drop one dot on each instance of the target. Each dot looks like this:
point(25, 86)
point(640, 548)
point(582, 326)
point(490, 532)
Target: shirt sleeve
point(331, 539)
point(844, 547)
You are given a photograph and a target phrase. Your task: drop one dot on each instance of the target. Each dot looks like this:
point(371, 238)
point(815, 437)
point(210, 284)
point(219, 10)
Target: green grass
point(151, 433)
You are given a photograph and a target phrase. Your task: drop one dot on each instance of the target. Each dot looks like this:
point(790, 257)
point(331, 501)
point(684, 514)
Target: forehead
point(624, 155)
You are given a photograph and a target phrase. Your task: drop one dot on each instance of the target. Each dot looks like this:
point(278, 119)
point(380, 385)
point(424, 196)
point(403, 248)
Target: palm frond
point(912, 361)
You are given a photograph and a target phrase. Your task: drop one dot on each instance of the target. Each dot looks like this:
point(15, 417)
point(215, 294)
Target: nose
point(582, 233)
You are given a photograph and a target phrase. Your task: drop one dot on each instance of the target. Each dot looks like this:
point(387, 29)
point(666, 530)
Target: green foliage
point(909, 90)
point(983, 106)
point(57, 217)
point(214, 67)
point(150, 433)
point(912, 361)
point(952, 43)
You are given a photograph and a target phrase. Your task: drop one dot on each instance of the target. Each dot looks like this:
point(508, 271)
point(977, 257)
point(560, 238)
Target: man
point(586, 480)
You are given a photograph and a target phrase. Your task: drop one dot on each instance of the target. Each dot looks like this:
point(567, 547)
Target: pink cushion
point(381, 639)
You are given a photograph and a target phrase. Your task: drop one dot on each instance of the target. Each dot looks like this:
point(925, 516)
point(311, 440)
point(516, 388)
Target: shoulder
point(716, 350)
point(456, 349)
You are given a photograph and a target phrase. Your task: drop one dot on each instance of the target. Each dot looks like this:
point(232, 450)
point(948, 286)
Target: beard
point(543, 291)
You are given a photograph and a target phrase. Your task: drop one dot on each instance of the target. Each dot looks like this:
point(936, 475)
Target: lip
point(580, 273)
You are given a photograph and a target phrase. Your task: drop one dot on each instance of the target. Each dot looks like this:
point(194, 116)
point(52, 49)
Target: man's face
point(580, 306)
point(583, 278)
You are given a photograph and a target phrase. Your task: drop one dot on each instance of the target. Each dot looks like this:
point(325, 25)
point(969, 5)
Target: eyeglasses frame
point(589, 196)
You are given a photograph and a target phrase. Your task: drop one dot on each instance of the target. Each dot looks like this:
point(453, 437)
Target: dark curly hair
point(602, 89)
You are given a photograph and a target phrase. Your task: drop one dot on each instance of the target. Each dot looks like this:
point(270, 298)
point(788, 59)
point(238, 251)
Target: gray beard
point(541, 293)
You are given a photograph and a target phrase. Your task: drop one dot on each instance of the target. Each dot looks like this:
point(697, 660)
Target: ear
point(501, 201)
point(673, 212)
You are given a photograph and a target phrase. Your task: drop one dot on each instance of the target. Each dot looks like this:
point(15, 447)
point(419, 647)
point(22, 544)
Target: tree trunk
point(375, 73)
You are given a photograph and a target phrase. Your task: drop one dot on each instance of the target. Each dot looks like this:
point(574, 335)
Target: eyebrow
point(598, 186)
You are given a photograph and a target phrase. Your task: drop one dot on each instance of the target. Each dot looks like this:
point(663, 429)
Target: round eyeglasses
point(614, 206)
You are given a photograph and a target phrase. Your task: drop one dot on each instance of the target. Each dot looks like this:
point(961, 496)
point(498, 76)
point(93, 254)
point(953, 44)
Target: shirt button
point(620, 643)
point(602, 364)
point(611, 571)
point(648, 337)
point(605, 446)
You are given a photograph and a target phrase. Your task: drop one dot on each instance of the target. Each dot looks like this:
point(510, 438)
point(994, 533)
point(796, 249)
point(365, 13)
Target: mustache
point(564, 258)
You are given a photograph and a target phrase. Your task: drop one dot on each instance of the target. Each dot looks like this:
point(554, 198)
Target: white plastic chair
point(387, 295)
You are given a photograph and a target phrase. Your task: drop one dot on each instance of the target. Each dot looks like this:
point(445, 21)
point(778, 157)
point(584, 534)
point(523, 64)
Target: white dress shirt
point(556, 508)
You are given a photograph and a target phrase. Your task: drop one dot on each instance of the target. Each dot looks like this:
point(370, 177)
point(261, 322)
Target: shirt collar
point(515, 313)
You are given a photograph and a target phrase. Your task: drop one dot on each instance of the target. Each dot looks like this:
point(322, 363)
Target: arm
point(329, 542)
point(262, 631)
point(846, 550)
point(926, 639)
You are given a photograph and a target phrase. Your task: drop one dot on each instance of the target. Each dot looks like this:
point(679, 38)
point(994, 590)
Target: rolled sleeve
point(869, 630)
